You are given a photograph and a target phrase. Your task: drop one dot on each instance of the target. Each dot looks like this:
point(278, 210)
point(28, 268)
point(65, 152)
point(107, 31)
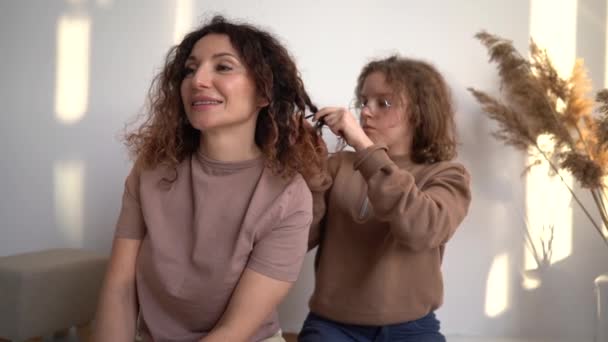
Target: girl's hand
point(343, 123)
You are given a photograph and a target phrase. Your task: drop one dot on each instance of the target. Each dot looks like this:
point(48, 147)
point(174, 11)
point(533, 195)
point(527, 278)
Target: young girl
point(384, 213)
point(215, 213)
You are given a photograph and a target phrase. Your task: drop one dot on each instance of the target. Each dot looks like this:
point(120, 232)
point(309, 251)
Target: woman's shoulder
point(158, 174)
point(294, 183)
point(282, 195)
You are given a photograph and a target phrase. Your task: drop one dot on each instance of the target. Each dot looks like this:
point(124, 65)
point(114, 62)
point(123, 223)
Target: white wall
point(62, 182)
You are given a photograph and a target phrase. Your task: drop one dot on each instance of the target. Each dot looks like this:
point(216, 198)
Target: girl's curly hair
point(428, 102)
point(290, 144)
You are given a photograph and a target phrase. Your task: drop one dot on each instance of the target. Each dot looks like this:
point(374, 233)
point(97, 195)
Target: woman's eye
point(188, 71)
point(223, 67)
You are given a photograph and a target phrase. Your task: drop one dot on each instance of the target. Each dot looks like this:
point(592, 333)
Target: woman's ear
point(263, 102)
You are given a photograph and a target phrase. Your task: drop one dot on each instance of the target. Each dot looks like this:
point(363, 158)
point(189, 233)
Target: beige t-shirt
point(201, 231)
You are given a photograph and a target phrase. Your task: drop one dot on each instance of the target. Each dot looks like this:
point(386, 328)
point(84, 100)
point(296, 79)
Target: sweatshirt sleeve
point(420, 217)
point(320, 186)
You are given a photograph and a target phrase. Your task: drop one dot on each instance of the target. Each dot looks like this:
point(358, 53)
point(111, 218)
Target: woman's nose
point(201, 79)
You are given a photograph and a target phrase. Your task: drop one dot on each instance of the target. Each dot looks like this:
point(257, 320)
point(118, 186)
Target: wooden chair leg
point(34, 339)
point(84, 332)
point(290, 337)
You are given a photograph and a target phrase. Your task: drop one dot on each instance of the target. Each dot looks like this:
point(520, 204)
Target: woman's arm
point(274, 265)
point(117, 308)
point(254, 299)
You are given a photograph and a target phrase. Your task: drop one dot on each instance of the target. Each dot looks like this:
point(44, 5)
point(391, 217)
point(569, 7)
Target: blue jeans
point(319, 329)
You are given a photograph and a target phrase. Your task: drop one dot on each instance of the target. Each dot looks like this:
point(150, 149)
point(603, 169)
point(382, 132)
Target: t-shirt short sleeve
point(131, 223)
point(279, 252)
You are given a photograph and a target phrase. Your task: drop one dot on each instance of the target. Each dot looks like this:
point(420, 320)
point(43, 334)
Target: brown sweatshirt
point(381, 225)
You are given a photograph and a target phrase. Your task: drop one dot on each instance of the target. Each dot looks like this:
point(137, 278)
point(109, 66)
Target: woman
point(384, 213)
point(215, 215)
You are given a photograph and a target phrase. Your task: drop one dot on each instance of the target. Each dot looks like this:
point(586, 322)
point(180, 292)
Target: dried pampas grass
point(536, 101)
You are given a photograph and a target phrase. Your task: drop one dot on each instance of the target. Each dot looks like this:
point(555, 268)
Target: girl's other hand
point(344, 124)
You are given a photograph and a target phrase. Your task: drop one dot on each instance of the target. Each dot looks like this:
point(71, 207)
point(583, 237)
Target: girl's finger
point(323, 112)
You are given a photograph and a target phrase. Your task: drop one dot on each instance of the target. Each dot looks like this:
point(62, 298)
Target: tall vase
point(601, 315)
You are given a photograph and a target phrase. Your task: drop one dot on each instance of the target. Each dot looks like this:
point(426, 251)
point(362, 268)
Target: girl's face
point(218, 90)
point(384, 114)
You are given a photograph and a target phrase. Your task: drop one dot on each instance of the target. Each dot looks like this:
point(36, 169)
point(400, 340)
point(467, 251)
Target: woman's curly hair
point(289, 143)
point(428, 100)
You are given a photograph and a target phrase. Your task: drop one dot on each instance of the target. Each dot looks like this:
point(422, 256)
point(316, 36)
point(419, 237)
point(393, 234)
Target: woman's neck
point(224, 147)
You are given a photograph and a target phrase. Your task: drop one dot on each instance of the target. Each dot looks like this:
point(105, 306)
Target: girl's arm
point(423, 217)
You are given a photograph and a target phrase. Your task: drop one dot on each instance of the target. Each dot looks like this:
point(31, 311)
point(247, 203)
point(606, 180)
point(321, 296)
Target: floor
point(72, 338)
point(291, 338)
point(501, 339)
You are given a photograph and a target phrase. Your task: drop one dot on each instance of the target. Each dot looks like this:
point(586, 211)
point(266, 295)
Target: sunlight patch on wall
point(548, 209)
point(530, 281)
point(553, 27)
point(72, 74)
point(183, 19)
point(68, 181)
point(497, 286)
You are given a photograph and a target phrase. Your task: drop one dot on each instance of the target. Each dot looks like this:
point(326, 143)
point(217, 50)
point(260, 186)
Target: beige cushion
point(42, 292)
